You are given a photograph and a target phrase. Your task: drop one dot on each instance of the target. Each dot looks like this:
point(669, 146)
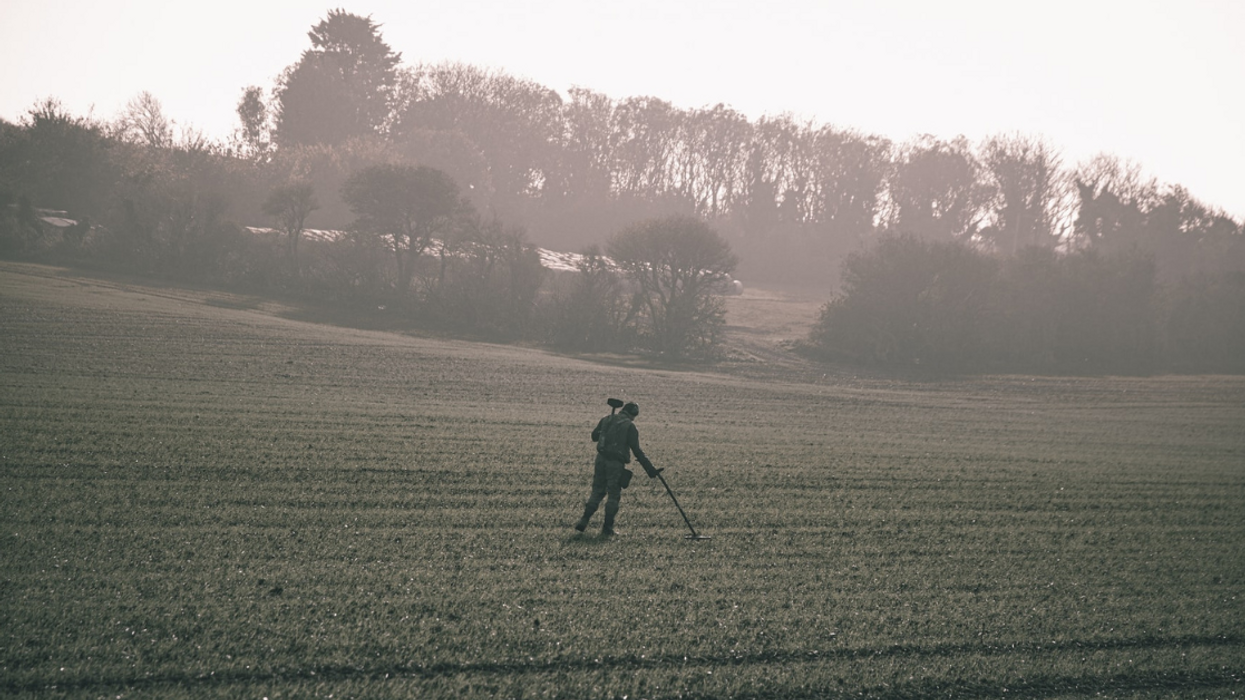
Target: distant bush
point(1204, 328)
point(488, 286)
point(909, 302)
point(912, 302)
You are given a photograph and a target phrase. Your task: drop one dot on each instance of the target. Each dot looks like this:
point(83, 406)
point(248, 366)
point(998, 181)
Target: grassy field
point(203, 498)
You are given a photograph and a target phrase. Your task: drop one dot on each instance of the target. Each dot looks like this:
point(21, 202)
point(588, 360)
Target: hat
point(632, 407)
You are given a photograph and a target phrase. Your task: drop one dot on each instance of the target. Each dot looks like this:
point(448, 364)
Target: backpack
point(612, 442)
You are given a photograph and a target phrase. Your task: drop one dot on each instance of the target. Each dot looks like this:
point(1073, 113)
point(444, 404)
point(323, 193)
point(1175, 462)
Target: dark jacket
point(617, 439)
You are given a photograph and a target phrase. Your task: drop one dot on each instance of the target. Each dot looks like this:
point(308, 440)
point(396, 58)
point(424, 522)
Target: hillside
point(761, 325)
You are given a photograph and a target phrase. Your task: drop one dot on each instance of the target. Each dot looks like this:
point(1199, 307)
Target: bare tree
point(143, 121)
point(1114, 199)
point(290, 205)
point(405, 205)
point(935, 191)
point(585, 167)
point(643, 135)
point(781, 168)
point(676, 263)
point(711, 158)
point(592, 313)
point(1025, 177)
point(848, 177)
point(514, 122)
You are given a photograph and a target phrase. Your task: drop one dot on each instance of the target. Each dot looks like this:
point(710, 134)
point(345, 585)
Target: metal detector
point(694, 535)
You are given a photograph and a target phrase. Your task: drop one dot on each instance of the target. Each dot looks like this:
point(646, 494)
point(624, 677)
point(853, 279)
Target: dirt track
point(762, 326)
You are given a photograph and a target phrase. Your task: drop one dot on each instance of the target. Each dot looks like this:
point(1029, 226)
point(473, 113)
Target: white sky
point(1160, 83)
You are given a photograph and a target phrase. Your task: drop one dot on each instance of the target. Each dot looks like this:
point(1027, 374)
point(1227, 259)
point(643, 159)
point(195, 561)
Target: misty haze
point(308, 410)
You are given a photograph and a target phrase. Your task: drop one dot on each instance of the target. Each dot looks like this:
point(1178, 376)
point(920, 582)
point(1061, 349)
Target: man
point(617, 439)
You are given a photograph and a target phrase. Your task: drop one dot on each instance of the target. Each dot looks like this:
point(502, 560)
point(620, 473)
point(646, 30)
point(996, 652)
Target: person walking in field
point(617, 439)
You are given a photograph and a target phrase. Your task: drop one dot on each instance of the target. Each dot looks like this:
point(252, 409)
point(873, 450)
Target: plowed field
point(204, 498)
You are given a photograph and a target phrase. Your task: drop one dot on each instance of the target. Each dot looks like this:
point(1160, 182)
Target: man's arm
point(596, 432)
point(633, 441)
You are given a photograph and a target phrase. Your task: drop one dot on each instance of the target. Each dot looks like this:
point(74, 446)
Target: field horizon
point(209, 495)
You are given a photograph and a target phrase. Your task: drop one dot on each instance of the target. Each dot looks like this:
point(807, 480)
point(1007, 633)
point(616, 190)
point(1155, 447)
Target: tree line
point(490, 159)
point(945, 306)
point(416, 248)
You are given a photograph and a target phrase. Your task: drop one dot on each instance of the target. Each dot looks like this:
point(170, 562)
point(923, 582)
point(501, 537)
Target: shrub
point(911, 302)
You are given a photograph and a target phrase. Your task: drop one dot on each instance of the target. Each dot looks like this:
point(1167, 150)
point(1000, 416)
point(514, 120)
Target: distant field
point(204, 499)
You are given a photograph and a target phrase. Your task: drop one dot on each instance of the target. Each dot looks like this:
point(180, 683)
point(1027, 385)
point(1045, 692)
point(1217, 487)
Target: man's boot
point(589, 509)
point(607, 528)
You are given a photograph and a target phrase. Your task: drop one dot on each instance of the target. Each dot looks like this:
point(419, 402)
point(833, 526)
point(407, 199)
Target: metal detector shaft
point(676, 505)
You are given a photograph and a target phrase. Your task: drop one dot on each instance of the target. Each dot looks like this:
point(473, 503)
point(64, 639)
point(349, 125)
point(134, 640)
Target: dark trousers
point(606, 481)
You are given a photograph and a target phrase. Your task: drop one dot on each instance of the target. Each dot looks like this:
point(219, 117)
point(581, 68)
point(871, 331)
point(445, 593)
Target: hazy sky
point(1161, 83)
